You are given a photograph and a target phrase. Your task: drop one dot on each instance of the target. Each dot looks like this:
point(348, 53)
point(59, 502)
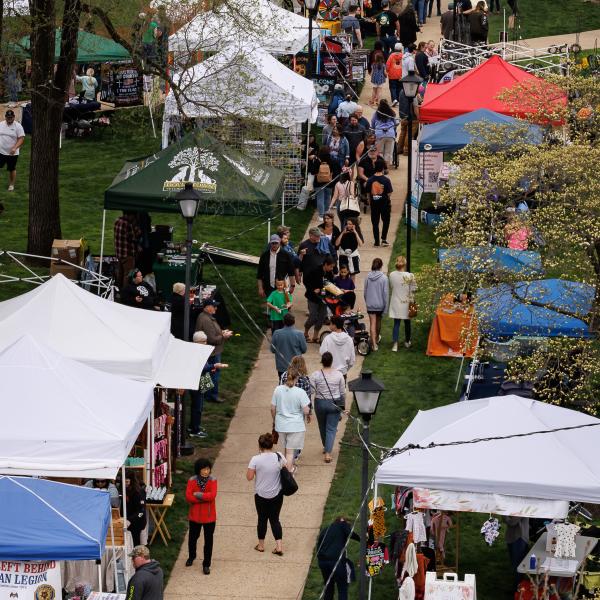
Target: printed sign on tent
point(30, 580)
point(324, 87)
point(429, 170)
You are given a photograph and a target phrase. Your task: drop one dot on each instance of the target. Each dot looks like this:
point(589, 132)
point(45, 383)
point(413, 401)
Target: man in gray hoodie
point(376, 293)
point(147, 581)
point(341, 346)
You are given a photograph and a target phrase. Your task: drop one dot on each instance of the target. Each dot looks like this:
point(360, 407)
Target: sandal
point(277, 552)
point(258, 548)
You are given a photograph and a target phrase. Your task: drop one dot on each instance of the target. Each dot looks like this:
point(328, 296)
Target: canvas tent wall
point(63, 418)
point(228, 181)
point(121, 340)
point(480, 259)
point(45, 520)
point(91, 48)
point(270, 91)
point(533, 308)
point(551, 466)
point(259, 24)
point(456, 133)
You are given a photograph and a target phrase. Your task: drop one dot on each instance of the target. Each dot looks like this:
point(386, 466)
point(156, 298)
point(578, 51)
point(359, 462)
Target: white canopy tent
point(272, 92)
point(259, 24)
point(117, 339)
point(552, 466)
point(63, 418)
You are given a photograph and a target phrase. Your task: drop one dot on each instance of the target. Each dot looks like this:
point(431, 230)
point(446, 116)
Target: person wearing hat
point(336, 100)
point(215, 336)
point(394, 71)
point(147, 581)
point(274, 265)
point(387, 26)
point(12, 137)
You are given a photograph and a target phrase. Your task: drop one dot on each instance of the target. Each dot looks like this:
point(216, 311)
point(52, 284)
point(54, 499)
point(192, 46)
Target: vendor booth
point(281, 31)
point(121, 340)
point(497, 456)
point(480, 88)
point(453, 134)
point(491, 259)
point(544, 308)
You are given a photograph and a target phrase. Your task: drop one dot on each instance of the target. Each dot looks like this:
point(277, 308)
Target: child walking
point(378, 78)
point(279, 303)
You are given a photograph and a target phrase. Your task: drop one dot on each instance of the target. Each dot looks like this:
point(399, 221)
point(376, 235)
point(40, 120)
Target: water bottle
point(532, 562)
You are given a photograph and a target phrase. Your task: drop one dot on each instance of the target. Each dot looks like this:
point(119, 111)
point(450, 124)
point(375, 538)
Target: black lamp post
point(410, 85)
point(367, 392)
point(188, 199)
point(311, 6)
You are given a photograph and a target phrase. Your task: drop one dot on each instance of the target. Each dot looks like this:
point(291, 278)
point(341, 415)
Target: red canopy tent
point(479, 88)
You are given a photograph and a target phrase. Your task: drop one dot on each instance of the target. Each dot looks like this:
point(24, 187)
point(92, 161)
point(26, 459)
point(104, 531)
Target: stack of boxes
point(70, 251)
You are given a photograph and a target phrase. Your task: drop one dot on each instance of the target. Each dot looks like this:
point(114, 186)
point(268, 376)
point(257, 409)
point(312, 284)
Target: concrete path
point(237, 570)
point(587, 40)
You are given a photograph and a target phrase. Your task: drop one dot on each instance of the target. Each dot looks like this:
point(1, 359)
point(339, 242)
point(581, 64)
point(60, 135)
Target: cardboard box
point(69, 250)
point(67, 270)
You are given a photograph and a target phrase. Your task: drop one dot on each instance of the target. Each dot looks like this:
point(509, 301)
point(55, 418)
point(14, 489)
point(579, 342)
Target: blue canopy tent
point(452, 135)
point(45, 520)
point(507, 311)
point(491, 258)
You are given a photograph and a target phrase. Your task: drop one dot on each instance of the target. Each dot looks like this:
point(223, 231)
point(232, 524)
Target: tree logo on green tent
point(191, 165)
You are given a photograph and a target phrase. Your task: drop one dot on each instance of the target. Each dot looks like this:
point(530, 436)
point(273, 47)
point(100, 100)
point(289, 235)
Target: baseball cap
point(140, 551)
point(210, 302)
point(398, 47)
point(275, 239)
point(338, 86)
point(9, 113)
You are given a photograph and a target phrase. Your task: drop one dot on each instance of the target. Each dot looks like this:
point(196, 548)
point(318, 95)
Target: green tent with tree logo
point(229, 182)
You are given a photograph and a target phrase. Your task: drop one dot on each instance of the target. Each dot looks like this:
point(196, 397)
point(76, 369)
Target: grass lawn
point(87, 169)
point(413, 382)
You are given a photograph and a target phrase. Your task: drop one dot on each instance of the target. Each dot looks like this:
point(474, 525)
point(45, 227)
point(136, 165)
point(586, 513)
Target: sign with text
point(429, 170)
point(30, 580)
point(324, 87)
point(127, 86)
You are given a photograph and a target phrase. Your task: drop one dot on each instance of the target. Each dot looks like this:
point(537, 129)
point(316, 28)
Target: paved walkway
point(587, 40)
point(238, 571)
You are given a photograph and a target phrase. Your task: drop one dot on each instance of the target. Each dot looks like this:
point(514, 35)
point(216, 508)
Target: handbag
point(206, 383)
point(413, 309)
point(289, 486)
point(338, 402)
point(275, 435)
point(350, 202)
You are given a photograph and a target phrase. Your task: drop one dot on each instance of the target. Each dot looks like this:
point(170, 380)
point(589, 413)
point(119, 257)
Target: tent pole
point(124, 505)
point(150, 106)
point(102, 243)
point(282, 210)
point(114, 554)
point(269, 229)
point(151, 457)
point(307, 150)
point(100, 576)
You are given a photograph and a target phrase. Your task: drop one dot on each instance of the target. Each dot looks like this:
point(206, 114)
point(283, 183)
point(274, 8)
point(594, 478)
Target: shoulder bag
point(340, 403)
point(350, 202)
point(289, 486)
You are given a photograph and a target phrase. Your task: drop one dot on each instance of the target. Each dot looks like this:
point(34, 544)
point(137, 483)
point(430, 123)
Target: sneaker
point(375, 347)
point(206, 570)
point(395, 347)
point(189, 562)
point(395, 103)
point(376, 244)
point(199, 434)
point(407, 344)
point(385, 243)
point(11, 188)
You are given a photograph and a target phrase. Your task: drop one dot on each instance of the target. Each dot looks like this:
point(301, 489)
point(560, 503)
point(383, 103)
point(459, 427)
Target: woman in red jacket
point(200, 493)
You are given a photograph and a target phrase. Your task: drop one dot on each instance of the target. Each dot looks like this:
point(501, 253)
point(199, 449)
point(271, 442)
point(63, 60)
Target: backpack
point(324, 174)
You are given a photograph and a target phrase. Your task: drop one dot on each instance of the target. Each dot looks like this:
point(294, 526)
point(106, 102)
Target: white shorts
point(293, 440)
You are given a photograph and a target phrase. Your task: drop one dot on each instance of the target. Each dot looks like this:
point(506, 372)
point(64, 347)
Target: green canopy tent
point(229, 182)
point(90, 48)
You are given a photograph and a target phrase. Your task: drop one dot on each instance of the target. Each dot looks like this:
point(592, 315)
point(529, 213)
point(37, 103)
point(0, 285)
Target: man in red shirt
point(394, 71)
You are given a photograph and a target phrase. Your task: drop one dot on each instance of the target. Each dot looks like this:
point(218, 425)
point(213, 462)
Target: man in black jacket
point(274, 264)
point(317, 311)
point(147, 581)
point(331, 544)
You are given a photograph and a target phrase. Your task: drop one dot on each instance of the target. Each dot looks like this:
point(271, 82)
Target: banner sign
point(429, 170)
point(30, 580)
point(324, 87)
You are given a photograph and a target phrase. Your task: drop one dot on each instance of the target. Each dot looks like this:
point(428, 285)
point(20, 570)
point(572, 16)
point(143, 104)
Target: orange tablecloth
point(452, 333)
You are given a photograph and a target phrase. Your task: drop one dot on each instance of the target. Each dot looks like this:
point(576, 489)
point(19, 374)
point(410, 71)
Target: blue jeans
point(340, 578)
point(421, 9)
point(388, 41)
point(396, 330)
point(323, 200)
point(328, 417)
point(213, 394)
point(197, 398)
point(395, 87)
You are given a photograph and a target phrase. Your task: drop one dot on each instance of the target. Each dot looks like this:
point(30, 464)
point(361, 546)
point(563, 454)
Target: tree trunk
point(48, 90)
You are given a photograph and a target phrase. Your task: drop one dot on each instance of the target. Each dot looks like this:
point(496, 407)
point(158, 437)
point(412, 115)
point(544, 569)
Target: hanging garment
point(377, 556)
point(378, 518)
point(440, 523)
point(414, 523)
point(565, 539)
point(410, 563)
point(419, 578)
point(407, 590)
point(490, 530)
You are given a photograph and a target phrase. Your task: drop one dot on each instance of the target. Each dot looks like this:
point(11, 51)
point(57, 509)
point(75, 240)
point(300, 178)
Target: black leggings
point(268, 509)
point(195, 529)
point(380, 209)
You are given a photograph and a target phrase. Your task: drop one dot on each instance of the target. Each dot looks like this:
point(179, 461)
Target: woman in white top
point(343, 189)
point(264, 468)
point(330, 399)
point(89, 84)
point(403, 286)
point(290, 406)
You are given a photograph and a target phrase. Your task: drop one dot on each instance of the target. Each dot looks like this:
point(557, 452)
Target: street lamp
point(410, 85)
point(367, 392)
point(188, 199)
point(312, 6)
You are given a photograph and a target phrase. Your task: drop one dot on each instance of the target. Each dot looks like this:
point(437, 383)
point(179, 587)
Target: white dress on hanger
point(407, 590)
point(414, 523)
point(565, 540)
